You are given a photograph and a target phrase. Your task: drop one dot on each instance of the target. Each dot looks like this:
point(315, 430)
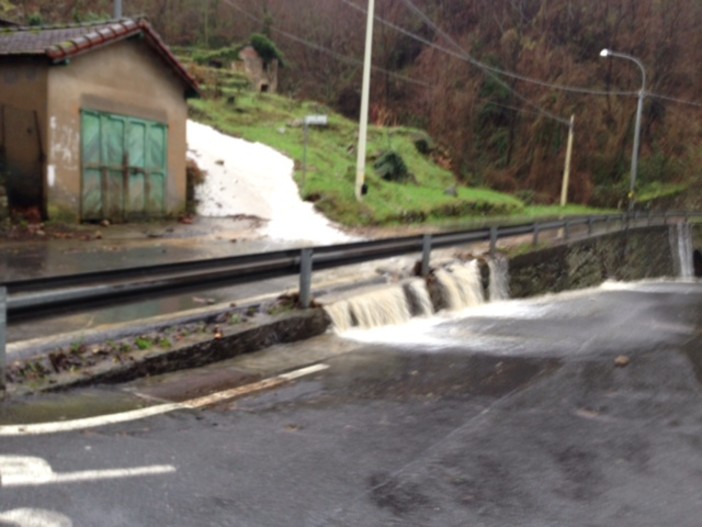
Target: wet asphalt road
point(515, 415)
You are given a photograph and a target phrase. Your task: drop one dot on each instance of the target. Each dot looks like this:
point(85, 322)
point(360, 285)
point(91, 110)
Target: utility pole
point(118, 9)
point(566, 168)
point(365, 94)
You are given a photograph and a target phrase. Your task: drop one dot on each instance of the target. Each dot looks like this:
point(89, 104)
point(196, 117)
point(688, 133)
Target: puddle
point(382, 373)
point(77, 404)
point(190, 384)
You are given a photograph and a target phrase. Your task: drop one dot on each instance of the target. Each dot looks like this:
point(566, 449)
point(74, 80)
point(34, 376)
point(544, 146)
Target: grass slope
point(331, 158)
point(327, 178)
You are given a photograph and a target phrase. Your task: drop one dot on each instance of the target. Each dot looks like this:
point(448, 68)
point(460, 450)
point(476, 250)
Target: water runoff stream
point(474, 288)
point(453, 288)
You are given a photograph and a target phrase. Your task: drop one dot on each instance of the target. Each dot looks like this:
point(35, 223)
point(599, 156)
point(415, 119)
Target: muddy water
point(123, 246)
point(126, 246)
point(487, 351)
point(65, 406)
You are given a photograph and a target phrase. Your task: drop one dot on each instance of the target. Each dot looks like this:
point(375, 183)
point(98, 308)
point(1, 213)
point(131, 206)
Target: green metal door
point(124, 167)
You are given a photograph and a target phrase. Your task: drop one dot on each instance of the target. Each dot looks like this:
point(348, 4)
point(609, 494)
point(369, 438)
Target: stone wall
point(628, 255)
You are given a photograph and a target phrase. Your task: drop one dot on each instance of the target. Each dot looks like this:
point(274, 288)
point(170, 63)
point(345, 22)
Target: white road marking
point(266, 384)
point(34, 518)
point(133, 415)
point(25, 471)
point(88, 422)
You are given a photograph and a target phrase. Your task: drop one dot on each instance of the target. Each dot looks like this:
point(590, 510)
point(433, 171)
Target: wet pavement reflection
point(126, 246)
point(436, 423)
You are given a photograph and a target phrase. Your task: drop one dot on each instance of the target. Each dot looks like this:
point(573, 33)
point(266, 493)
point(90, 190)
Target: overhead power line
point(466, 57)
point(462, 55)
point(674, 99)
point(499, 71)
point(323, 49)
point(357, 62)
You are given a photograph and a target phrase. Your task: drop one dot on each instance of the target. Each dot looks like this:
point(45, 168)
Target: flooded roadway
point(576, 409)
point(127, 246)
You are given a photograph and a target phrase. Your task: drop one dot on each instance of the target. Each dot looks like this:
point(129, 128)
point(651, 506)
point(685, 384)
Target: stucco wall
point(125, 78)
point(627, 255)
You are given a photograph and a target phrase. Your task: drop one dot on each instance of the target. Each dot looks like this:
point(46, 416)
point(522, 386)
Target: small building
point(93, 121)
point(263, 74)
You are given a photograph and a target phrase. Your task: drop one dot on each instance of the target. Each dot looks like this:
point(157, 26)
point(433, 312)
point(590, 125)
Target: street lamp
point(637, 127)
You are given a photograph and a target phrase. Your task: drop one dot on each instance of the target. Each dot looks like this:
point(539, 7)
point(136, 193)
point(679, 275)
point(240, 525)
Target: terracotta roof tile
point(60, 43)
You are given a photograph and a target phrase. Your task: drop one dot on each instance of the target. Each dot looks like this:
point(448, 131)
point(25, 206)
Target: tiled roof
point(60, 43)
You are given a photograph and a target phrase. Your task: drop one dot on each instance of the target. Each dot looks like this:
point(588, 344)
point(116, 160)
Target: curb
point(207, 342)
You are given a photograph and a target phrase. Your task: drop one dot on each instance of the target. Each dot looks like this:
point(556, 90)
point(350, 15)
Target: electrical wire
point(462, 55)
point(674, 99)
point(467, 57)
point(323, 49)
point(350, 60)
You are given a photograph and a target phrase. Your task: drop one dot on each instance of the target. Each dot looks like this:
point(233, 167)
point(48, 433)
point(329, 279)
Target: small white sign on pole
point(310, 120)
point(316, 120)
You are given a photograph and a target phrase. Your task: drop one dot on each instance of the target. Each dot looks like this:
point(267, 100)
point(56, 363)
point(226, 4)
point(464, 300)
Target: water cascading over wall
point(498, 288)
point(461, 285)
point(457, 286)
point(680, 237)
point(375, 308)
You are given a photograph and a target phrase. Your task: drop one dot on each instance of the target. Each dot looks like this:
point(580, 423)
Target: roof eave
point(192, 87)
point(65, 51)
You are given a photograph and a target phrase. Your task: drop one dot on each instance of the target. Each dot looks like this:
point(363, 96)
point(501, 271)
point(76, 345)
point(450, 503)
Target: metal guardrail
point(37, 298)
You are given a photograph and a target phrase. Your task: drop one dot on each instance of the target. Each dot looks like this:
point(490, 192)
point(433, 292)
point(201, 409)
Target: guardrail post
point(493, 240)
point(3, 332)
point(589, 226)
point(305, 278)
point(426, 254)
point(536, 234)
point(566, 230)
point(607, 223)
point(650, 217)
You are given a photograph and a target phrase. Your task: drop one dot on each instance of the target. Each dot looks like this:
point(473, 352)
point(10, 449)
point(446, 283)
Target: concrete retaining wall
point(627, 255)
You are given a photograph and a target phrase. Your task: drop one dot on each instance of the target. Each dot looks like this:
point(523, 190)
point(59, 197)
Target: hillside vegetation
point(408, 176)
point(504, 129)
point(426, 191)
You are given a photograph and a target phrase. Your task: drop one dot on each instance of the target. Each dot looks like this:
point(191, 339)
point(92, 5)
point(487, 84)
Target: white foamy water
point(681, 243)
point(396, 305)
point(253, 179)
point(418, 290)
point(499, 278)
point(381, 307)
point(462, 285)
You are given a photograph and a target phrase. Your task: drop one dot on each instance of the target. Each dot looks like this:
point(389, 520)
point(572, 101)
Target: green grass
point(329, 178)
point(656, 191)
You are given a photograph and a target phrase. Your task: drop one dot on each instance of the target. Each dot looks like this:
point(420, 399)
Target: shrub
point(391, 167)
point(266, 49)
